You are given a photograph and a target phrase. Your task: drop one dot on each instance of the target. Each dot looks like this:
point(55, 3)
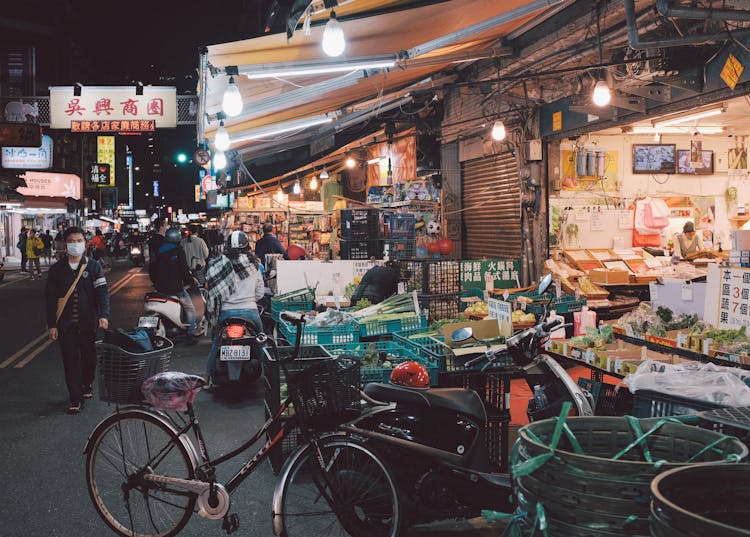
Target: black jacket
point(170, 271)
point(93, 294)
point(269, 244)
point(377, 284)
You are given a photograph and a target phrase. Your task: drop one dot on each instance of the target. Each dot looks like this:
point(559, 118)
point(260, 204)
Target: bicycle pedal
point(231, 523)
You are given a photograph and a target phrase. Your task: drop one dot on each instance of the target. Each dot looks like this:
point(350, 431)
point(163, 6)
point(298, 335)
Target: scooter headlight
point(135, 251)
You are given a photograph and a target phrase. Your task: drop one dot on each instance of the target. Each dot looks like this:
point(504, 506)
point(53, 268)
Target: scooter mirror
point(544, 283)
point(462, 334)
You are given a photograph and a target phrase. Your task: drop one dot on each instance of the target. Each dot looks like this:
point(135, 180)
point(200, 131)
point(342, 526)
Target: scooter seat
point(456, 399)
point(161, 297)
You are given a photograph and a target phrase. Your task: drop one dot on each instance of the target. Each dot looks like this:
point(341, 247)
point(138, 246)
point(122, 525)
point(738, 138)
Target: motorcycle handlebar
point(547, 327)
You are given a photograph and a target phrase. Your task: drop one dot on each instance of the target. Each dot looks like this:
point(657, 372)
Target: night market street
point(44, 470)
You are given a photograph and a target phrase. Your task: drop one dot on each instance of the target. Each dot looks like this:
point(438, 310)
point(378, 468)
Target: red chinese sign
point(142, 125)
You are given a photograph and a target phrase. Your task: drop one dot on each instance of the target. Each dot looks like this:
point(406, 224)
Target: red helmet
point(411, 375)
point(295, 251)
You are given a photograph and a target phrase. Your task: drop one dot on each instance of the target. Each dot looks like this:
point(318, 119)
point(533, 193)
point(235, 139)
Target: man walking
point(22, 246)
point(77, 300)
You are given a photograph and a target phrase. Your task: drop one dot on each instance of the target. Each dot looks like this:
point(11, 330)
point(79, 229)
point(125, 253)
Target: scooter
point(135, 254)
point(237, 364)
point(165, 316)
point(434, 438)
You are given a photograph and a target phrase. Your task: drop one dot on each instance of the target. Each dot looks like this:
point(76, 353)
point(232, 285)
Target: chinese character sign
point(503, 273)
point(734, 298)
point(29, 158)
point(105, 154)
point(113, 109)
point(99, 173)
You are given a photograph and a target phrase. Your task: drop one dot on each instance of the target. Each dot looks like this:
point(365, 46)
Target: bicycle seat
point(172, 390)
point(456, 399)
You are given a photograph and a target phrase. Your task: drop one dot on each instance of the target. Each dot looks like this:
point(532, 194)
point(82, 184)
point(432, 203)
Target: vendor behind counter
point(687, 243)
point(378, 283)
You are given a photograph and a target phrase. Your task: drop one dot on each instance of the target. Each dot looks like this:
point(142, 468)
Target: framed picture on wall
point(684, 164)
point(654, 158)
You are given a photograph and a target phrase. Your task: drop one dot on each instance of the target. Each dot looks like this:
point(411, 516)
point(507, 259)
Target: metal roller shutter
point(491, 195)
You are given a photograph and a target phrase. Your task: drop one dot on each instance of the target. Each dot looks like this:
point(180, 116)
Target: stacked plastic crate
point(438, 286)
point(361, 237)
point(400, 242)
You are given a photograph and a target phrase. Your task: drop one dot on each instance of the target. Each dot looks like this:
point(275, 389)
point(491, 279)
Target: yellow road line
point(33, 354)
point(18, 354)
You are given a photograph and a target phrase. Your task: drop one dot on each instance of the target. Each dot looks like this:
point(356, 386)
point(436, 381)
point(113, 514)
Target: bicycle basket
point(121, 373)
point(327, 391)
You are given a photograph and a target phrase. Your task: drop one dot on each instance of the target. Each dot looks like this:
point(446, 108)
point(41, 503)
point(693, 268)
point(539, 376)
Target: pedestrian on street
point(21, 245)
point(170, 274)
point(269, 244)
point(196, 250)
point(47, 240)
point(59, 243)
point(77, 300)
point(156, 240)
point(34, 250)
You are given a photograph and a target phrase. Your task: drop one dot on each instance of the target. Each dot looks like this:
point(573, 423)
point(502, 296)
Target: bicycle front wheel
point(120, 451)
point(344, 488)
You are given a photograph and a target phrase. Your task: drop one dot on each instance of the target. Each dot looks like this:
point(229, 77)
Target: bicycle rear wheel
point(118, 453)
point(351, 493)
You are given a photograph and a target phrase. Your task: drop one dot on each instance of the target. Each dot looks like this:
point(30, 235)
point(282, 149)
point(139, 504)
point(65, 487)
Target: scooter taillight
point(235, 331)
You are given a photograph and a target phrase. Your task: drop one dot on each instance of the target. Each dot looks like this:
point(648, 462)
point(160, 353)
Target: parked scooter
point(165, 315)
point(434, 438)
point(136, 256)
point(238, 364)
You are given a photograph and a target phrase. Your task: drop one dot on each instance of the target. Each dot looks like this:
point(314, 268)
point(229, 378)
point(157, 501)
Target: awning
point(420, 42)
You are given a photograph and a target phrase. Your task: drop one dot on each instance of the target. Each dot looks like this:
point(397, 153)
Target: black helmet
point(173, 235)
point(238, 240)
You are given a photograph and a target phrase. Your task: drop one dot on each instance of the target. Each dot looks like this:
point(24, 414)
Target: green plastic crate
point(383, 374)
point(299, 300)
point(428, 347)
point(410, 324)
point(565, 304)
point(312, 335)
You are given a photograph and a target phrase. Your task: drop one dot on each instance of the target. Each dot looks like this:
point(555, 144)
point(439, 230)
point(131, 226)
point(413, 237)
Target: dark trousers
point(24, 259)
point(79, 359)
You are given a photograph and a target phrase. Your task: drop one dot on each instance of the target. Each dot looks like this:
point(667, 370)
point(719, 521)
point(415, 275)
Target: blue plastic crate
point(300, 300)
point(312, 335)
point(408, 324)
point(383, 374)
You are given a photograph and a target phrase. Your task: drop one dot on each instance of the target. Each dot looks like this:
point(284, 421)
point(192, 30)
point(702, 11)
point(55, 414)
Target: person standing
point(59, 243)
point(687, 243)
point(378, 283)
point(196, 250)
point(77, 304)
point(34, 250)
point(47, 240)
point(269, 244)
point(21, 245)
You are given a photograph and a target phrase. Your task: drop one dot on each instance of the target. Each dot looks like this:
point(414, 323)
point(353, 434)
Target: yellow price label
point(731, 71)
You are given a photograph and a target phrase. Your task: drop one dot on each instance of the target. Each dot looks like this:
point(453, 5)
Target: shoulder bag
point(61, 302)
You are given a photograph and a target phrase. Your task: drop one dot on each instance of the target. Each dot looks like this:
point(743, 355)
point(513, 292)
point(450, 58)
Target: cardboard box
point(609, 276)
point(486, 329)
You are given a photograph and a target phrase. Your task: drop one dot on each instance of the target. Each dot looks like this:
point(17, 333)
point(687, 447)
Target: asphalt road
point(43, 472)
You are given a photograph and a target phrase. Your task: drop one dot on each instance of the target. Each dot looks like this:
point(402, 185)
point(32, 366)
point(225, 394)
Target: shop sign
point(732, 71)
point(734, 298)
point(99, 173)
point(105, 154)
point(29, 158)
point(158, 104)
point(136, 125)
point(20, 135)
point(504, 273)
point(108, 198)
point(55, 185)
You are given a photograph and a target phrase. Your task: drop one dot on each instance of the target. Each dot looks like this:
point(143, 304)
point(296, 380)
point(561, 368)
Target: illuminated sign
point(29, 158)
point(156, 189)
point(105, 154)
point(55, 185)
point(113, 104)
point(99, 173)
point(140, 125)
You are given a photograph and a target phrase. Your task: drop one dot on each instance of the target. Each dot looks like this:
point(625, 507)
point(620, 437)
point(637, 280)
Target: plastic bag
point(330, 317)
point(728, 386)
point(171, 390)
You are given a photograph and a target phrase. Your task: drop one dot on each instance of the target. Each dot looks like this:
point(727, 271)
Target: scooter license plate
point(239, 352)
point(148, 322)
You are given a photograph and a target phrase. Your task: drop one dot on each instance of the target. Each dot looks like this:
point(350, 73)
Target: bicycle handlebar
point(294, 318)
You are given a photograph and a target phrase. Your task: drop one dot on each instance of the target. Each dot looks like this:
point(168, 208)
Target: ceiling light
point(498, 130)
point(279, 195)
point(373, 161)
point(296, 188)
point(657, 137)
point(350, 162)
point(689, 117)
point(334, 41)
point(314, 182)
point(602, 95)
point(220, 161)
point(316, 68)
point(324, 174)
point(640, 129)
point(279, 128)
point(232, 101)
point(221, 139)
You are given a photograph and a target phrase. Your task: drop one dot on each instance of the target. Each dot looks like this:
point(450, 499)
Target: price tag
point(629, 331)
point(589, 356)
point(682, 340)
point(576, 353)
point(653, 291)
point(506, 294)
point(618, 365)
point(687, 292)
point(548, 345)
point(523, 306)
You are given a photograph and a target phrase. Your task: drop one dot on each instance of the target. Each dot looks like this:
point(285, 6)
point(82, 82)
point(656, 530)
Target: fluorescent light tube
point(280, 128)
point(687, 129)
point(282, 70)
point(689, 117)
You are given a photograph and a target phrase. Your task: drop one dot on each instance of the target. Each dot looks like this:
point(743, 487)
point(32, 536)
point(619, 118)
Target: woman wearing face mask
point(77, 302)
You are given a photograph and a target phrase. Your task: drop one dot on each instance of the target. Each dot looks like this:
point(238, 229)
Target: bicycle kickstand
point(231, 523)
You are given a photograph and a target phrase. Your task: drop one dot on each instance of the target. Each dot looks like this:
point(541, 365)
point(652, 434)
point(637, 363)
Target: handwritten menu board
point(734, 298)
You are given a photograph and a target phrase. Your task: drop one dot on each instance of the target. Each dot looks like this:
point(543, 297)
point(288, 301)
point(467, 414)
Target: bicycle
point(146, 477)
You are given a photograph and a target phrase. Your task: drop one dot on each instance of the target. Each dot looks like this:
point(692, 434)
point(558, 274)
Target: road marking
point(122, 282)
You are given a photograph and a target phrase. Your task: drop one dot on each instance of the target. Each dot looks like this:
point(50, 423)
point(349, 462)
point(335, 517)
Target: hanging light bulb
point(220, 160)
point(221, 140)
point(314, 182)
point(498, 130)
point(350, 162)
point(334, 41)
point(602, 95)
point(324, 174)
point(232, 101)
point(279, 195)
point(296, 188)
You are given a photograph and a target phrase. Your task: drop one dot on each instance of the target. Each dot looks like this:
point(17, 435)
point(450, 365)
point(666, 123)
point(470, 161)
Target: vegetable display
point(392, 307)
